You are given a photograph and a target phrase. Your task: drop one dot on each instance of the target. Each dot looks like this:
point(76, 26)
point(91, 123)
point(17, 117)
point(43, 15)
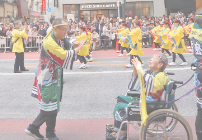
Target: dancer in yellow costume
point(177, 36)
point(85, 50)
point(188, 29)
point(166, 43)
point(119, 41)
point(157, 40)
point(135, 40)
point(90, 59)
point(124, 43)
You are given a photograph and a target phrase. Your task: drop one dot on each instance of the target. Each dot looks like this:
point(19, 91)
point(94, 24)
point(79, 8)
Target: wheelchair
point(163, 123)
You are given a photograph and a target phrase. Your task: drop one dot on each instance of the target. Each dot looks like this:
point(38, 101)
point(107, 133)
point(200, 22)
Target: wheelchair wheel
point(156, 126)
point(170, 126)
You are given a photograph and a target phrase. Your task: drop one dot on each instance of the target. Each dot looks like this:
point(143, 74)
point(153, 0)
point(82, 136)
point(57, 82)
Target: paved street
point(89, 97)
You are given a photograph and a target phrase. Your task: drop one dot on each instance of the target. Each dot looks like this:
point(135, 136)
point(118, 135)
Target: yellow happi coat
point(177, 36)
point(188, 27)
point(118, 35)
point(85, 49)
point(156, 30)
point(135, 40)
point(89, 39)
point(166, 43)
point(123, 44)
point(18, 46)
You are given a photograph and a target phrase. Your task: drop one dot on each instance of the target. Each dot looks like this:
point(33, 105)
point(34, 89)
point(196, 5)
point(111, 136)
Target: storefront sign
point(98, 6)
point(43, 5)
point(41, 18)
point(35, 14)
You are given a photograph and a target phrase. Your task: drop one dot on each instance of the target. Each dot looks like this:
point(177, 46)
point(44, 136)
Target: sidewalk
point(85, 129)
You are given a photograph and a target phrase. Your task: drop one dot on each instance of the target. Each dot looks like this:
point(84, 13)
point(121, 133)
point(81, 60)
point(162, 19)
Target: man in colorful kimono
point(155, 81)
point(196, 43)
point(47, 87)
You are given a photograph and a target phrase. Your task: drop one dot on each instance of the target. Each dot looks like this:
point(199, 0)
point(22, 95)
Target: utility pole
point(123, 9)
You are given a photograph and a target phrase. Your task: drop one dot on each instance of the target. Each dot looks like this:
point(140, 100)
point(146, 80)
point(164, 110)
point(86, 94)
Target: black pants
point(198, 124)
point(189, 42)
point(145, 40)
point(119, 46)
point(106, 39)
point(132, 56)
point(123, 48)
point(180, 55)
point(157, 45)
point(19, 61)
point(166, 51)
point(49, 118)
point(82, 59)
point(88, 56)
point(114, 43)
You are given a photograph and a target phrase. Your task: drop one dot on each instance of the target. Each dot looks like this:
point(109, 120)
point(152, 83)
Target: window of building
point(71, 9)
point(139, 9)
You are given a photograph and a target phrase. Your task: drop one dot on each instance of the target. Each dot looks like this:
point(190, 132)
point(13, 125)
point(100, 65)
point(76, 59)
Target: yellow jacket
point(135, 40)
point(156, 30)
point(123, 44)
point(188, 27)
point(18, 46)
point(166, 43)
point(177, 36)
point(85, 49)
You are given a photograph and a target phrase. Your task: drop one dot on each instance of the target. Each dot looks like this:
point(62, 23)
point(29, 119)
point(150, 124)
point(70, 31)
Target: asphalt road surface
point(88, 94)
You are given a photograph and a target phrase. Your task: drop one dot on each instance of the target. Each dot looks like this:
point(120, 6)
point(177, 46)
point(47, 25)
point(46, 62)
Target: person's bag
point(11, 44)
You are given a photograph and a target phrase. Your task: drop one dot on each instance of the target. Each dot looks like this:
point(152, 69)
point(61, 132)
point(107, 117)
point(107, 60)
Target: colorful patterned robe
point(48, 81)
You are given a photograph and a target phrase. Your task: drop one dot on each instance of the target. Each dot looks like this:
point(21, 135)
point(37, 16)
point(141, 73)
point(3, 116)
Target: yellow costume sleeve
point(177, 34)
point(85, 49)
point(164, 38)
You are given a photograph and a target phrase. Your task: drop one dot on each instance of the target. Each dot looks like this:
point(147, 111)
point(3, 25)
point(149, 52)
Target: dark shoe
point(34, 133)
point(17, 72)
point(53, 138)
point(110, 128)
point(111, 136)
point(25, 69)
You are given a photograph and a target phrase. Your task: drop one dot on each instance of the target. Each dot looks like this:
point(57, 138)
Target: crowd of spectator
point(103, 26)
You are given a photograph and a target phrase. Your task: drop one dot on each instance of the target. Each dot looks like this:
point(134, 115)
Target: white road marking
point(101, 72)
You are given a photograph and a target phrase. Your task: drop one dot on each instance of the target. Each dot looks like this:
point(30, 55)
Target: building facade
point(173, 6)
point(34, 7)
point(8, 10)
point(89, 9)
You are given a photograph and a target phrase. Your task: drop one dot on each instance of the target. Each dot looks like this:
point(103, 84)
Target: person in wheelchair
point(155, 80)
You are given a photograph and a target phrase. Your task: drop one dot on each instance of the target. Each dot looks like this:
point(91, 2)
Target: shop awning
point(34, 13)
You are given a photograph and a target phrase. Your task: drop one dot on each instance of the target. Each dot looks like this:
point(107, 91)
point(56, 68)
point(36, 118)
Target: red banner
point(43, 8)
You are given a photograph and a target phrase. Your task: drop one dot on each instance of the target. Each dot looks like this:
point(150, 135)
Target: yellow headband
point(59, 25)
point(198, 15)
point(52, 30)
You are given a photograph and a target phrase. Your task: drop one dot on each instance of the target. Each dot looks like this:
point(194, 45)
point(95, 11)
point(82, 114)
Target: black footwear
point(17, 72)
point(110, 128)
point(53, 138)
point(34, 133)
point(25, 69)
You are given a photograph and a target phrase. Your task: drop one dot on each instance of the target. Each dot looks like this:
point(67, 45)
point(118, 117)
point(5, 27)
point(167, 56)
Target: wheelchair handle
point(178, 82)
point(170, 73)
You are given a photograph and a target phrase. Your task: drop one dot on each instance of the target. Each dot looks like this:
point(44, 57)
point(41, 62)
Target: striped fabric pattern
point(149, 83)
point(48, 107)
point(68, 62)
